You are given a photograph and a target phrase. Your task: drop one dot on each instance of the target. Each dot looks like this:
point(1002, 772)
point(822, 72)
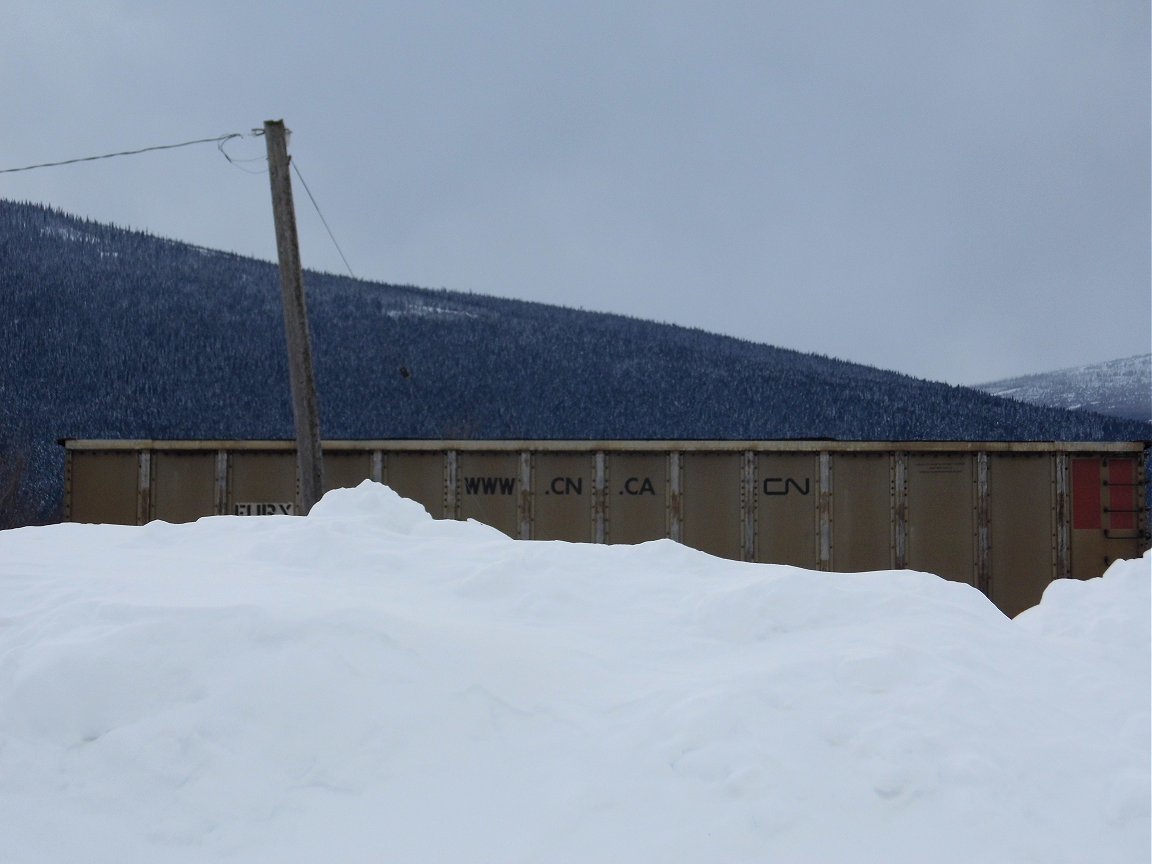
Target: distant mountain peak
point(1117, 388)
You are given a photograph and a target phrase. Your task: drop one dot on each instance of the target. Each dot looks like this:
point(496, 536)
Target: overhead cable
point(218, 139)
point(304, 183)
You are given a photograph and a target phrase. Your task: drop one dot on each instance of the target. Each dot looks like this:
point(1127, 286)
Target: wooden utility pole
point(309, 459)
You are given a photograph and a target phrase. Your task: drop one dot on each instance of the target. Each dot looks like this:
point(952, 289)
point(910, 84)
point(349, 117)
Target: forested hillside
point(110, 333)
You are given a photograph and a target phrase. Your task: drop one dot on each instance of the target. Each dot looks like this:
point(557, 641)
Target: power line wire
point(304, 183)
point(236, 163)
point(219, 141)
point(219, 138)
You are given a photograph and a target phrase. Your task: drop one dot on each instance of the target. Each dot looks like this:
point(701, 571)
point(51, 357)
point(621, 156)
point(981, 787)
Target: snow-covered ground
point(370, 685)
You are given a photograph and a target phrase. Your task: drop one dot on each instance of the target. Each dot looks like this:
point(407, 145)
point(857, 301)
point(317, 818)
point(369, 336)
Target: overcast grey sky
point(956, 190)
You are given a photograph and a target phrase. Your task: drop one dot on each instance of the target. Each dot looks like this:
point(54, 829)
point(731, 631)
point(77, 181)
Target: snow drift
point(371, 685)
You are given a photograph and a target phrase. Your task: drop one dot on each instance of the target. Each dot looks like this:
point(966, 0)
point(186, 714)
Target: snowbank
point(371, 685)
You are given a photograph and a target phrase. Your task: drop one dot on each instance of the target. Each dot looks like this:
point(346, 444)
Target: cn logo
point(784, 485)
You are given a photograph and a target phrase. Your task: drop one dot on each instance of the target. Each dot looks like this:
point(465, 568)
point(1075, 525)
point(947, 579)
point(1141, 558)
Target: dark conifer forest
point(111, 333)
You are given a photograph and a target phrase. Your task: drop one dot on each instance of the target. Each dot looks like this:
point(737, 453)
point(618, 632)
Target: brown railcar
point(1005, 517)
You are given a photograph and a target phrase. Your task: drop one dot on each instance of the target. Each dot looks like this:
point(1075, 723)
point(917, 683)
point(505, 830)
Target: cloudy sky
point(956, 190)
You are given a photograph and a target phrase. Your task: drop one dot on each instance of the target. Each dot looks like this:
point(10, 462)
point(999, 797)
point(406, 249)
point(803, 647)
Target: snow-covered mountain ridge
point(1118, 388)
